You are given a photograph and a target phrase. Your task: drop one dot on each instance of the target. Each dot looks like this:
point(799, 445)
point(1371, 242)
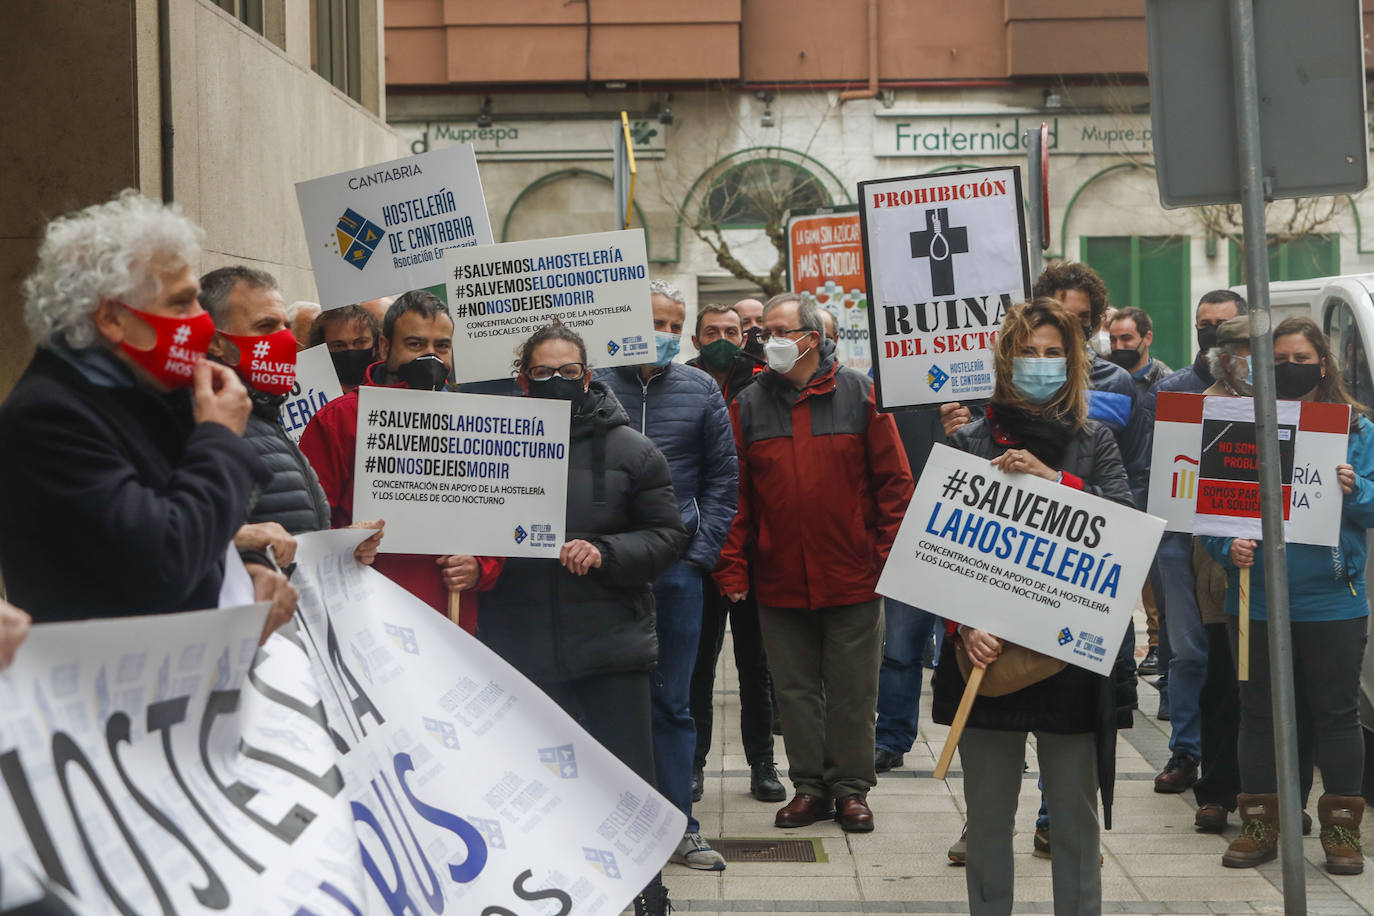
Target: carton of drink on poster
point(463, 473)
point(945, 257)
point(316, 385)
point(381, 230)
point(1204, 467)
point(597, 285)
point(1032, 561)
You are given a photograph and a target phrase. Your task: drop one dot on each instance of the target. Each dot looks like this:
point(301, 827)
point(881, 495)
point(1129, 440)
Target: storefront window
point(757, 193)
point(1151, 272)
point(1302, 258)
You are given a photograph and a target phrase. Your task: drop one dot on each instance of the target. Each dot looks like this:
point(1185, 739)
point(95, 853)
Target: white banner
point(1204, 476)
point(1043, 565)
point(381, 230)
point(597, 285)
point(945, 258)
point(316, 385)
point(463, 473)
point(371, 758)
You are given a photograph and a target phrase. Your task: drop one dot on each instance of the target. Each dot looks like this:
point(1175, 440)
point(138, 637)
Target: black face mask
point(1126, 359)
point(1207, 337)
point(1293, 380)
point(423, 373)
point(351, 365)
point(753, 342)
point(561, 389)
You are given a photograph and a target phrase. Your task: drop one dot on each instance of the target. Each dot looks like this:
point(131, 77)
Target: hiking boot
point(1340, 817)
point(884, 760)
point(653, 900)
point(698, 783)
point(1211, 818)
point(958, 853)
point(1040, 848)
point(764, 783)
point(1259, 832)
point(1150, 663)
point(694, 852)
point(1178, 775)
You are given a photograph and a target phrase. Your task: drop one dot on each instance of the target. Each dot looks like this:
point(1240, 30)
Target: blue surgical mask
point(1039, 379)
point(668, 346)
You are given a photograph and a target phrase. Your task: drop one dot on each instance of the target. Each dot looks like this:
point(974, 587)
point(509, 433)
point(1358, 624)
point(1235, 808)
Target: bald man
point(750, 314)
point(300, 316)
point(377, 307)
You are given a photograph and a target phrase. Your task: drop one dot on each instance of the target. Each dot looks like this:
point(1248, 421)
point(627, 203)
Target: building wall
point(251, 119)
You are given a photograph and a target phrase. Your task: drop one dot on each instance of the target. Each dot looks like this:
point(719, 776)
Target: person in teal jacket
point(1329, 610)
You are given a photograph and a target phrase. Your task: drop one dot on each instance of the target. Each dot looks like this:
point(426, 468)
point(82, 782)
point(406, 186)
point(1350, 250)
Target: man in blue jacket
point(681, 410)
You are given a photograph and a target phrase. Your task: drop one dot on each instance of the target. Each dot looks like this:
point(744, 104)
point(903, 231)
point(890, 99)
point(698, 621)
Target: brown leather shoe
point(1211, 818)
point(803, 811)
point(1178, 775)
point(853, 813)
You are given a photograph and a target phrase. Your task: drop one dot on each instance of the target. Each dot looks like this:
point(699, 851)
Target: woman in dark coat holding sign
point(1036, 423)
point(582, 626)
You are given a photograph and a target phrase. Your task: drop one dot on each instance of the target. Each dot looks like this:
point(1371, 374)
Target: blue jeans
point(677, 606)
point(900, 677)
point(1187, 643)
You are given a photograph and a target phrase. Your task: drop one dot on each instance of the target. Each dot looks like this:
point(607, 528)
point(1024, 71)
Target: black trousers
point(755, 688)
point(1219, 704)
point(614, 709)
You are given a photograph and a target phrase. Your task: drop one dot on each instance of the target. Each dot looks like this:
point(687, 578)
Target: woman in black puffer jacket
point(1036, 423)
point(582, 627)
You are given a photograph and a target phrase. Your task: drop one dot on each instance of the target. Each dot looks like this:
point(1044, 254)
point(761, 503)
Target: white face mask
point(782, 354)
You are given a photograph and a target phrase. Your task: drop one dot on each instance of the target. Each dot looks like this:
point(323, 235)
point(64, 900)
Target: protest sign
point(371, 758)
point(381, 230)
point(463, 473)
point(1032, 561)
point(596, 284)
point(1205, 478)
point(945, 257)
point(316, 385)
point(825, 263)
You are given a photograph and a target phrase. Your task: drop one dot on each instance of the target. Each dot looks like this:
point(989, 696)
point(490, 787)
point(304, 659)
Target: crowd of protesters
point(756, 486)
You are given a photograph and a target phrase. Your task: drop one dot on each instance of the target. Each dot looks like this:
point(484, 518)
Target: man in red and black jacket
point(824, 483)
point(416, 349)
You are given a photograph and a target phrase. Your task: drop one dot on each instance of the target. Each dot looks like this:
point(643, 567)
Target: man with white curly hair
point(124, 475)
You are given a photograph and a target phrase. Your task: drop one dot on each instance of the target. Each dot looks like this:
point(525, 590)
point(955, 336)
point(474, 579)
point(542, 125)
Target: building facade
point(740, 110)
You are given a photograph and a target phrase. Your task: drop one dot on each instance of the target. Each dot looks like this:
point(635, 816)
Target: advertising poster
point(945, 257)
point(596, 284)
point(825, 264)
point(370, 758)
point(1204, 477)
point(473, 474)
point(381, 230)
point(316, 385)
point(1032, 561)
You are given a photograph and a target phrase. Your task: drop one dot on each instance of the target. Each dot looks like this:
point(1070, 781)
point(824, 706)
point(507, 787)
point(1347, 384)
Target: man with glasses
point(824, 483)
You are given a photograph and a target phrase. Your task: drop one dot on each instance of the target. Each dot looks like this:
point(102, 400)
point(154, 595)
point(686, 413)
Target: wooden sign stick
point(956, 728)
point(1243, 642)
point(455, 600)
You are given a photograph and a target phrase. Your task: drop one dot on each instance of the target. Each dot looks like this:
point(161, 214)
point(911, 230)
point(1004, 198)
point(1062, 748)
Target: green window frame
point(731, 200)
point(1315, 255)
point(1154, 273)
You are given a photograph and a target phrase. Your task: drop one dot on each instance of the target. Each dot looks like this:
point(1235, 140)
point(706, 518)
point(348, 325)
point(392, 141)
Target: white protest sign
point(596, 284)
point(463, 473)
point(372, 758)
point(945, 257)
point(1204, 477)
point(382, 230)
point(1043, 565)
point(316, 385)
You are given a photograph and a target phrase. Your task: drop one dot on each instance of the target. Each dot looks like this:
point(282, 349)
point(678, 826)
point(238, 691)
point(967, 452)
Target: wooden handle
point(455, 601)
point(956, 728)
point(1243, 641)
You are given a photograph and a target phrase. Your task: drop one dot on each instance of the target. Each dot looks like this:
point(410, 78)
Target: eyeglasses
point(570, 371)
point(765, 334)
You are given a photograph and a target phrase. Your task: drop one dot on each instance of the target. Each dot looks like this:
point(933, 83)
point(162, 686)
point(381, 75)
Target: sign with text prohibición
point(463, 473)
point(595, 284)
point(1205, 470)
point(382, 230)
point(945, 257)
point(1032, 561)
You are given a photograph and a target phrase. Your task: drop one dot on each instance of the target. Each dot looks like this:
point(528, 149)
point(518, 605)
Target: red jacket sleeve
point(488, 571)
point(889, 475)
point(732, 572)
point(328, 443)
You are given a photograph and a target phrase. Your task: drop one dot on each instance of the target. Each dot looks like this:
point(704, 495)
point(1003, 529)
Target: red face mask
point(180, 343)
point(267, 363)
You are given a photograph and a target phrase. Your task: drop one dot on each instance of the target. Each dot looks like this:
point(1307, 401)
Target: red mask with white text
point(267, 363)
point(180, 343)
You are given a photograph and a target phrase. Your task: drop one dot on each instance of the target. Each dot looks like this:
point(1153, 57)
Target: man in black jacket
point(123, 454)
point(250, 315)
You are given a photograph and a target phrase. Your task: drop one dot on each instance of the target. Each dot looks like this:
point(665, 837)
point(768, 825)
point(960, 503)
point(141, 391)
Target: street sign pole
point(1266, 432)
point(1035, 197)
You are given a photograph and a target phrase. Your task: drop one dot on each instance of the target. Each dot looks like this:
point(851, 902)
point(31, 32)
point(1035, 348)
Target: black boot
point(764, 783)
point(653, 900)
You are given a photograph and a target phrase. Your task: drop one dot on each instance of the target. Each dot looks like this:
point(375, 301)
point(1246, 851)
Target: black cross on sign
point(939, 242)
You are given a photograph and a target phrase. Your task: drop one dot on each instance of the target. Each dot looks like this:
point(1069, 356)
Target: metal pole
point(1035, 195)
point(1266, 432)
